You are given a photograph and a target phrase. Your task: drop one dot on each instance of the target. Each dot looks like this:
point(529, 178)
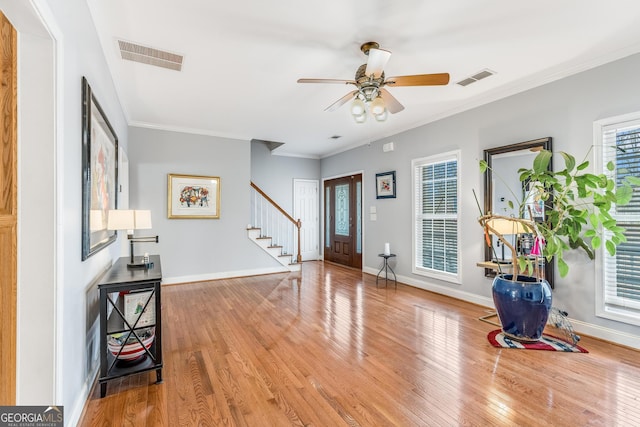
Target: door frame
point(9, 214)
point(323, 213)
point(40, 319)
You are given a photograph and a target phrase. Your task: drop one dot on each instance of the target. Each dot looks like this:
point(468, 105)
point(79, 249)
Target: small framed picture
point(534, 205)
point(140, 305)
point(193, 196)
point(386, 185)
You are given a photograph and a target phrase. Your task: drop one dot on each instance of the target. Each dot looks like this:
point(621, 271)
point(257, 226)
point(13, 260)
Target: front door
point(343, 220)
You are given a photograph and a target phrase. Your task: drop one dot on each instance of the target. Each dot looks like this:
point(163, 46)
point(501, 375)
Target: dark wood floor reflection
point(326, 348)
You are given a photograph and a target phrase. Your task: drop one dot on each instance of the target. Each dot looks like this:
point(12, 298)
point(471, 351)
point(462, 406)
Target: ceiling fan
point(370, 82)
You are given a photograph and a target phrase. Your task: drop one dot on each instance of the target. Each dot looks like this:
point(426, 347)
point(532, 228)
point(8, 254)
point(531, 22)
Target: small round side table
point(386, 267)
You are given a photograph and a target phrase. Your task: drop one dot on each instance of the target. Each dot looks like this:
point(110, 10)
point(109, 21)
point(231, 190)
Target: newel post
point(299, 225)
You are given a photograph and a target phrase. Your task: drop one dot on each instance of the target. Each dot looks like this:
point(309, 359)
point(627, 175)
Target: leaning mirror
point(500, 181)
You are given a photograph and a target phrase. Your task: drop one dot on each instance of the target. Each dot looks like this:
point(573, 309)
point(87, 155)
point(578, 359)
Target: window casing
point(618, 277)
point(436, 237)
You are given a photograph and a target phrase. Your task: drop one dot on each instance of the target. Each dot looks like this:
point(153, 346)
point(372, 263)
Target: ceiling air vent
point(477, 76)
point(148, 55)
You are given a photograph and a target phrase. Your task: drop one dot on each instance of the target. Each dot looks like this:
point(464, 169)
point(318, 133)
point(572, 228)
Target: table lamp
point(504, 226)
point(131, 220)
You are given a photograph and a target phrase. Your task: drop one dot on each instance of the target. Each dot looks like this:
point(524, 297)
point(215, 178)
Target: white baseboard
point(607, 334)
point(439, 289)
point(580, 327)
point(223, 275)
point(71, 418)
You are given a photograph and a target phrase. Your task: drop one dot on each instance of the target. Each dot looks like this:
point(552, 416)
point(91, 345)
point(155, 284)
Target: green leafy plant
point(578, 208)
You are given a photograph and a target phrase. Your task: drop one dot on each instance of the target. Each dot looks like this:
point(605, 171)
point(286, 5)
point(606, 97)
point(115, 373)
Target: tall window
point(618, 278)
point(436, 183)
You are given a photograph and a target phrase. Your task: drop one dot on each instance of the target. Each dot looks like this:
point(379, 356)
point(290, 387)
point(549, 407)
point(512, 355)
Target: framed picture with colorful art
point(386, 185)
point(99, 174)
point(193, 196)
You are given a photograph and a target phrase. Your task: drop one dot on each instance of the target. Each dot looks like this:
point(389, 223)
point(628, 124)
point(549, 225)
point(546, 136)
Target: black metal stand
point(386, 267)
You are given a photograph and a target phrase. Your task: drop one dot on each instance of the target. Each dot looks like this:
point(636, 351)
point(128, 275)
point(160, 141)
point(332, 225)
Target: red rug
point(548, 342)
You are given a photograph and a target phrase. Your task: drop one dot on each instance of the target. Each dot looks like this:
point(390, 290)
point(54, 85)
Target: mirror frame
point(543, 143)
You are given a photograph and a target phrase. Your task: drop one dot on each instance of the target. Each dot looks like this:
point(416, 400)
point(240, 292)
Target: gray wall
point(275, 174)
point(195, 249)
point(564, 110)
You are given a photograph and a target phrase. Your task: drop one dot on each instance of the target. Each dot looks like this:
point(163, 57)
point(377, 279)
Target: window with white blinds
point(618, 278)
point(436, 183)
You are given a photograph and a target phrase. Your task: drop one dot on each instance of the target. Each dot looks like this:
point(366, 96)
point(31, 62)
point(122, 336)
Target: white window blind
point(619, 281)
point(436, 217)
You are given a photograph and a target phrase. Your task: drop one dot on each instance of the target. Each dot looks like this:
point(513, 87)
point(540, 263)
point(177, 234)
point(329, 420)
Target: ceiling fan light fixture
point(357, 107)
point(360, 118)
point(377, 106)
point(370, 95)
point(382, 116)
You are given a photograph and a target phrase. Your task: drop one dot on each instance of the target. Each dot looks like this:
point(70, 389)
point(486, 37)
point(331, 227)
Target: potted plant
point(577, 208)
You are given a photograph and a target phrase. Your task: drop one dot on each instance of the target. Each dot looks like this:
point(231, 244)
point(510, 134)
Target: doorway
point(343, 220)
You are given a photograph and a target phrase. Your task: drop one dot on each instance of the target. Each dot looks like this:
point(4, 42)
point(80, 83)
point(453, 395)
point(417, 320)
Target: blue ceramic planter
point(523, 306)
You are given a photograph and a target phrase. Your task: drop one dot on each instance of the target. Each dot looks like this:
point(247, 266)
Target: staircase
point(274, 230)
point(276, 251)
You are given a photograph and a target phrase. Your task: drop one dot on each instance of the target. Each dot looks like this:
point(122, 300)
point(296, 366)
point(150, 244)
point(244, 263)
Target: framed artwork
point(193, 196)
point(386, 185)
point(534, 205)
point(99, 174)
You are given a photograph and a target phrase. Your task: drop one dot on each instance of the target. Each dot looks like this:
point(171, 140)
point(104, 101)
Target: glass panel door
point(343, 221)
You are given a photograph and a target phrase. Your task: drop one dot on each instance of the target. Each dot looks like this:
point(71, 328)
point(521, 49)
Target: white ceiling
point(242, 59)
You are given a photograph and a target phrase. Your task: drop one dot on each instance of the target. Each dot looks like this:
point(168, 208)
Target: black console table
point(130, 307)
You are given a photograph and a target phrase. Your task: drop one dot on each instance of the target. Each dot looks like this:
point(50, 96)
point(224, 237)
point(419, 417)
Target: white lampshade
point(357, 107)
point(377, 106)
point(143, 219)
point(121, 219)
point(505, 226)
point(126, 219)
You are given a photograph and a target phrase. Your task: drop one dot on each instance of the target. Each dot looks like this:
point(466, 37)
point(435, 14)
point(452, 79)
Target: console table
point(130, 312)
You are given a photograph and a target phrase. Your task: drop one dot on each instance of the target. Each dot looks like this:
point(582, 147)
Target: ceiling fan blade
point(392, 104)
point(419, 80)
point(340, 102)
point(378, 58)
point(346, 82)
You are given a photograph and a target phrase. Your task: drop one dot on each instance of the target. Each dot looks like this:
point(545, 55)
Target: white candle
point(387, 249)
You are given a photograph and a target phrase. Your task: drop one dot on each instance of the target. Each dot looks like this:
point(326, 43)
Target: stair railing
point(275, 222)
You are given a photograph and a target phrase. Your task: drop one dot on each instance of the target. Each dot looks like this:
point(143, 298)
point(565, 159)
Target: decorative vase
point(523, 306)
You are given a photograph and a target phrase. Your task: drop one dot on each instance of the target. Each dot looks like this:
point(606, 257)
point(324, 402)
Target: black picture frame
point(386, 185)
point(99, 174)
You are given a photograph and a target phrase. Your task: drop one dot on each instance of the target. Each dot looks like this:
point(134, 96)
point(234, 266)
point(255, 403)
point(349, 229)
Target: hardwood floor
point(325, 347)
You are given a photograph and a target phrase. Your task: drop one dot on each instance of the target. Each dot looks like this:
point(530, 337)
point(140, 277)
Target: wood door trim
point(8, 210)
